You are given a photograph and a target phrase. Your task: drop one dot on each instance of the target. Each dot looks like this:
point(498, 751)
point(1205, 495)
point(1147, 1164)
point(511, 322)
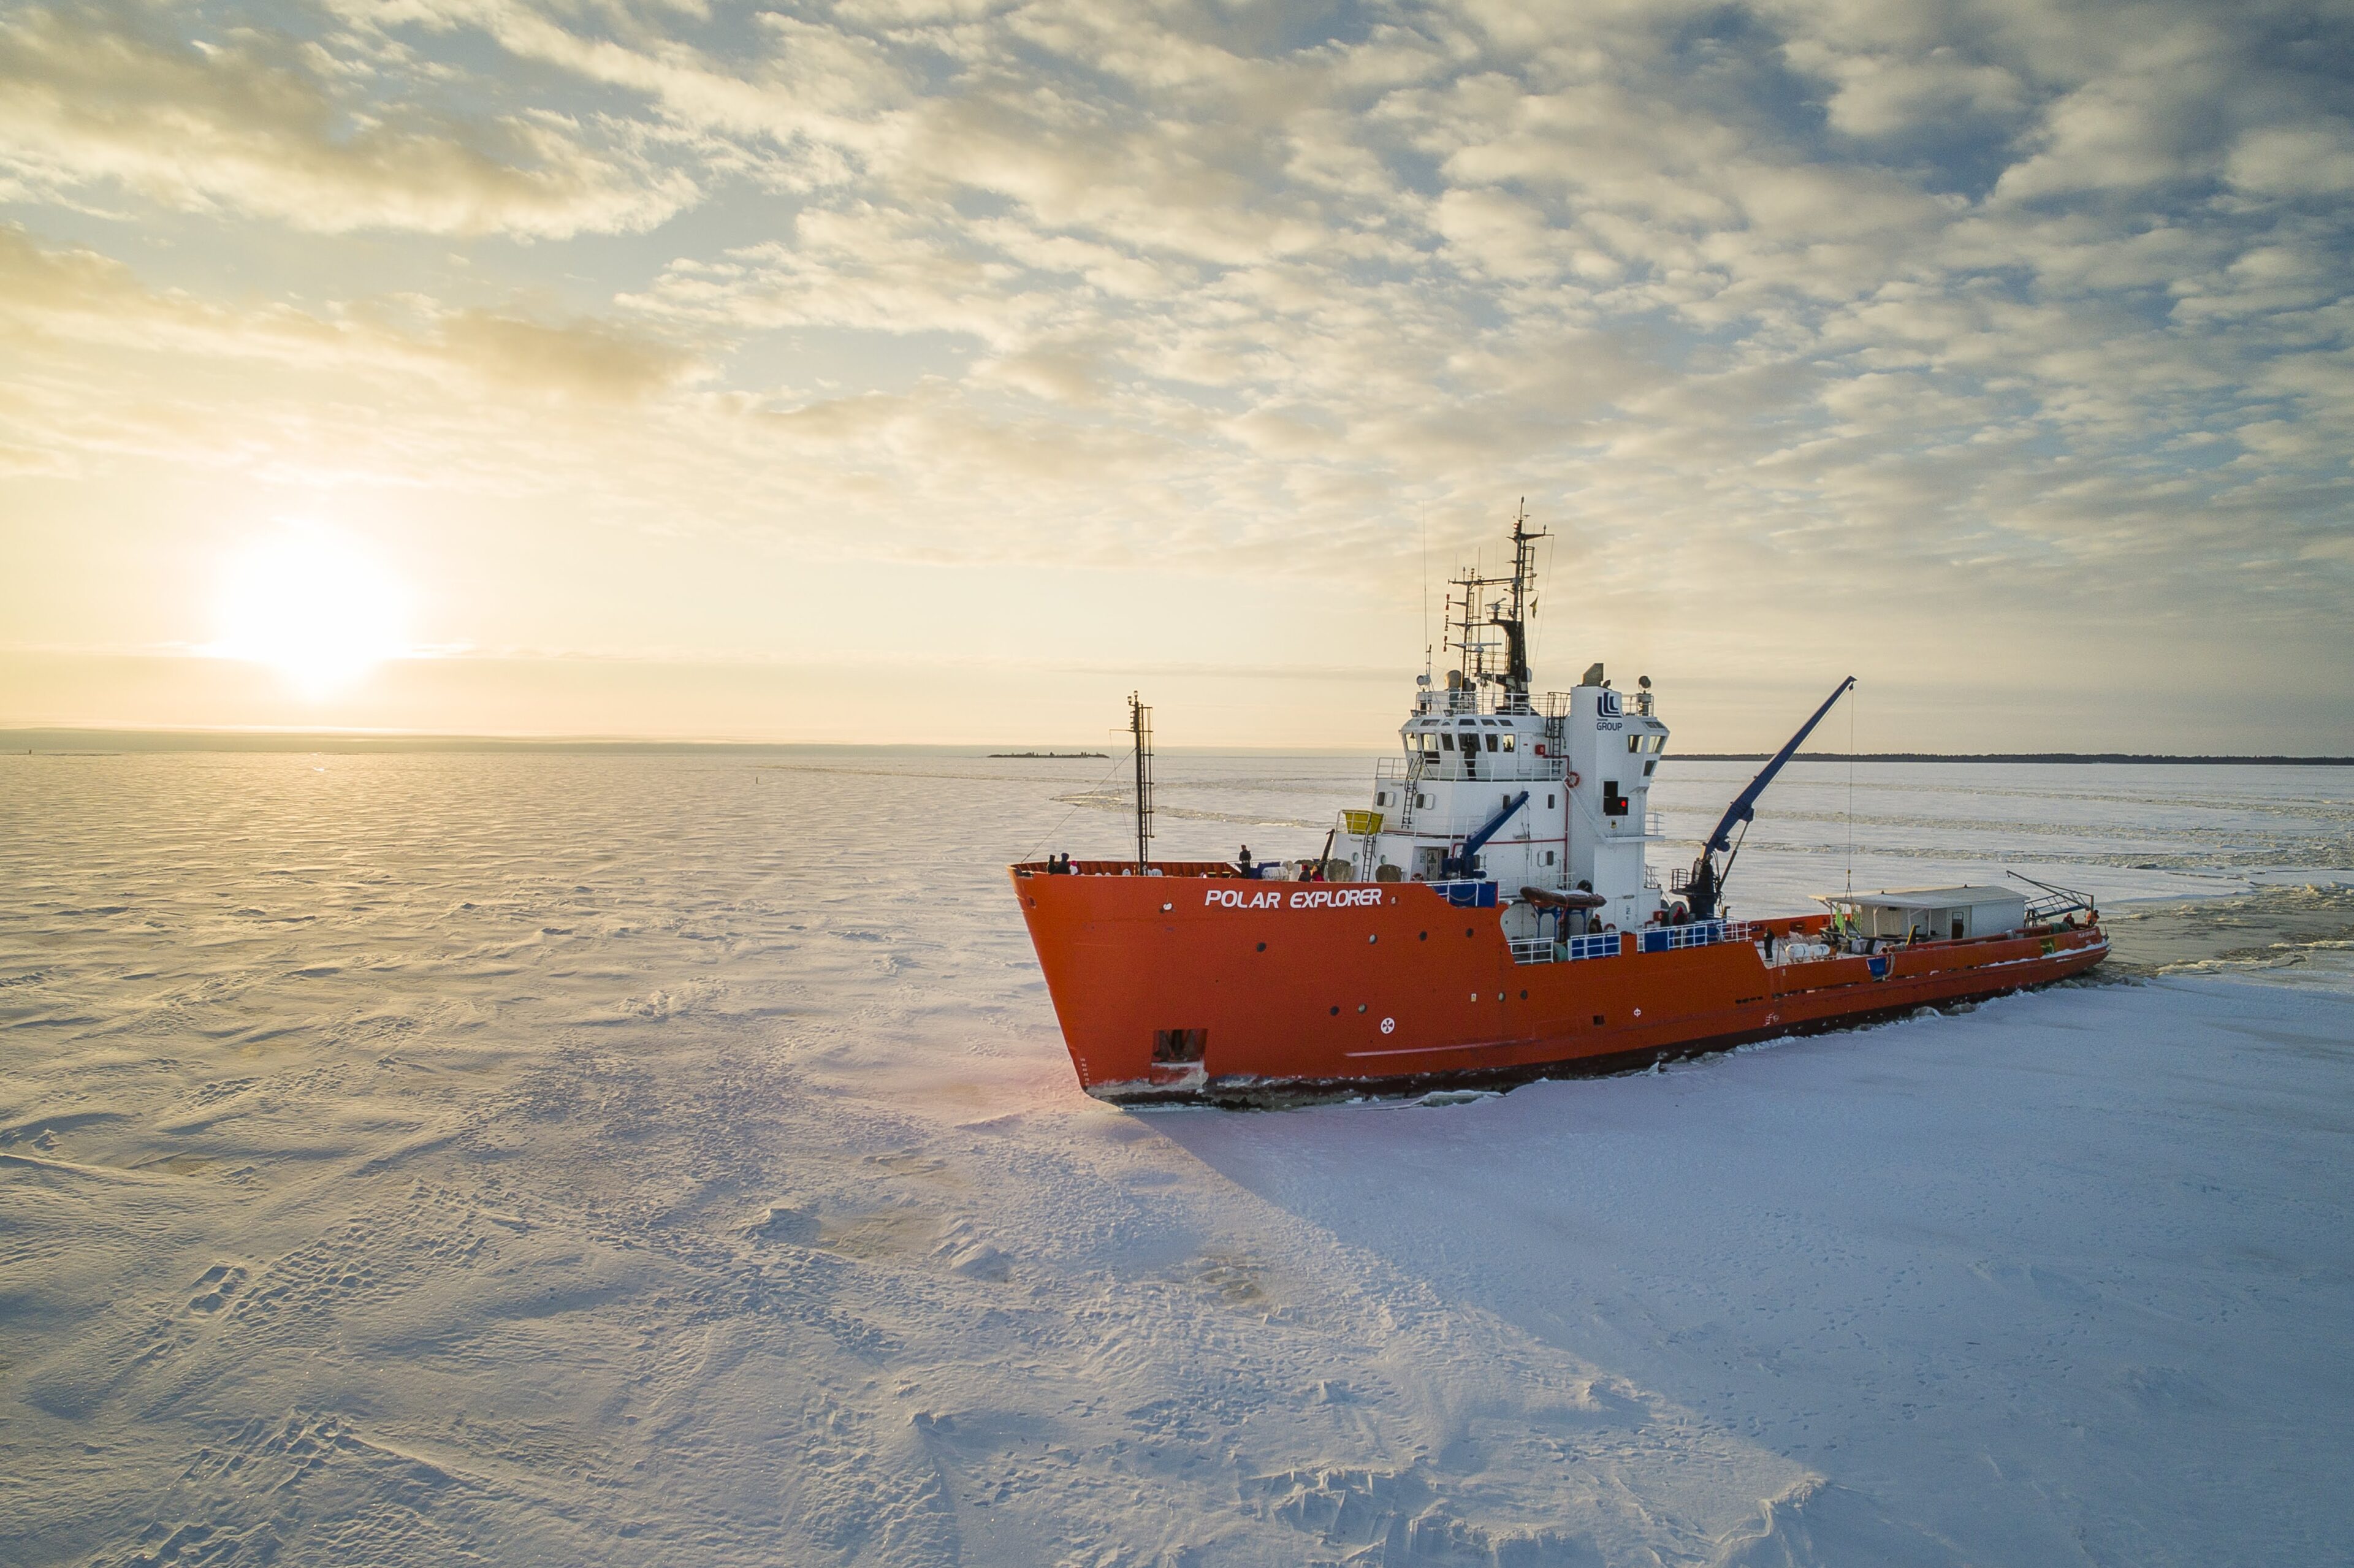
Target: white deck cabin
point(1932, 914)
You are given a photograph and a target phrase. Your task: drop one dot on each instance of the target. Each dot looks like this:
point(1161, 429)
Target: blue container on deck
point(1468, 895)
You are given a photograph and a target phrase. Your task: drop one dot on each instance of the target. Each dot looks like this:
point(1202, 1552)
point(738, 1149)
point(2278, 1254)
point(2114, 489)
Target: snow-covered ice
point(592, 1158)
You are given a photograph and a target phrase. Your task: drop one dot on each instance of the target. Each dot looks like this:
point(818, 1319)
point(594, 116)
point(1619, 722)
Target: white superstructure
point(1569, 774)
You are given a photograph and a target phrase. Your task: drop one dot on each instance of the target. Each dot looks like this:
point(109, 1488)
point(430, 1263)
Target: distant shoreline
point(108, 742)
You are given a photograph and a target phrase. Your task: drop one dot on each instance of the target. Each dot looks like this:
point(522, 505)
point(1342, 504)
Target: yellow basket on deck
point(1362, 823)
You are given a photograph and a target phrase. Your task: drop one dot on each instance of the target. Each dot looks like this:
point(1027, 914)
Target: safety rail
point(1500, 767)
point(1652, 826)
point(2055, 901)
point(1698, 934)
point(1204, 868)
point(1405, 774)
point(1472, 700)
point(1610, 944)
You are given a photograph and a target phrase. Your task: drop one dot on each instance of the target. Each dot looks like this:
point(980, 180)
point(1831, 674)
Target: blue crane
point(1706, 888)
point(1465, 861)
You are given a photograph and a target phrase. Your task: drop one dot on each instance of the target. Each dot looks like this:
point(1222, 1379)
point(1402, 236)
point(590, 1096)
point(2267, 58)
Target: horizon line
point(29, 738)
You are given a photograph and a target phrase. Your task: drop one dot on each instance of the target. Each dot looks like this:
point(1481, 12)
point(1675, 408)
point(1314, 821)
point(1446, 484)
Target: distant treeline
point(2020, 756)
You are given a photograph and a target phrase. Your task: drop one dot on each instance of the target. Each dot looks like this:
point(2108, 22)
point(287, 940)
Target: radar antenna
point(1470, 612)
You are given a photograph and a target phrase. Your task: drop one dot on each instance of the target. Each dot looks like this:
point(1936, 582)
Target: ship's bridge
point(1546, 793)
point(1541, 800)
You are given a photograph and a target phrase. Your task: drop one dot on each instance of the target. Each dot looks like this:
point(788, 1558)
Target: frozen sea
point(595, 1157)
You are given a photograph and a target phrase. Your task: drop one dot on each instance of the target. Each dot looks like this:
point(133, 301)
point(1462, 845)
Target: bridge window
point(1492, 743)
point(1510, 740)
point(1446, 741)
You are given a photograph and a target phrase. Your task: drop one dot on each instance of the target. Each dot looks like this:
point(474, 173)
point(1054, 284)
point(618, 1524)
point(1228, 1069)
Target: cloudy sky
point(902, 370)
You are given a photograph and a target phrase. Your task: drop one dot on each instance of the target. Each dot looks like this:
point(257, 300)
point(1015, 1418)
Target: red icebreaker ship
point(1492, 917)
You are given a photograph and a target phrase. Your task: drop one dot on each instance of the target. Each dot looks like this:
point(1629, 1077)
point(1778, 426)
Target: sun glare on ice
point(313, 607)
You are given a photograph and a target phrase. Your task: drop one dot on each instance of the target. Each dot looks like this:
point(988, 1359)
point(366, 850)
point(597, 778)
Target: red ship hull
point(1196, 984)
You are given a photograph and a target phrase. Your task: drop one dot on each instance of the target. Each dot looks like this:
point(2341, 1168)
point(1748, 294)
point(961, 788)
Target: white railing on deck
point(1625, 825)
point(1497, 767)
point(1477, 699)
point(1608, 943)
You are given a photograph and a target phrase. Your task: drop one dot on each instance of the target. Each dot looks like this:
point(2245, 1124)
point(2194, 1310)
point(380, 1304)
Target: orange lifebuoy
point(1572, 781)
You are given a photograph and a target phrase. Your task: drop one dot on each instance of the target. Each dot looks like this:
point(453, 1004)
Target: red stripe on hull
point(1396, 985)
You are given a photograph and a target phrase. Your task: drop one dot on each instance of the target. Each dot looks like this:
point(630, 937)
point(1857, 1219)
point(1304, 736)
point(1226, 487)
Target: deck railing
point(1501, 766)
point(1610, 944)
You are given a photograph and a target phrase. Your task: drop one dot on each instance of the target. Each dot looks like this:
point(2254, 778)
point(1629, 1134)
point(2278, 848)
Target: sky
point(909, 372)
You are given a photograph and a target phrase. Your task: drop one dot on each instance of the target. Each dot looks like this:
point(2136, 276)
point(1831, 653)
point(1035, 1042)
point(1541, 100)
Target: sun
point(313, 606)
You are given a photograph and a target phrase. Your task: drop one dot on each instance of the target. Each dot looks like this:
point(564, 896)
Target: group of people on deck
point(1252, 871)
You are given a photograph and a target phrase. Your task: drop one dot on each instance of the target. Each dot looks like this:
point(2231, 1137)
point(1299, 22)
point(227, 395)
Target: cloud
point(1874, 308)
point(2312, 158)
point(255, 122)
point(387, 391)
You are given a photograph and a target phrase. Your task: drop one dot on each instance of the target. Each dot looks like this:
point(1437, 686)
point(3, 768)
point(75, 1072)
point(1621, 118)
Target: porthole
point(1336, 1013)
point(1424, 938)
point(1361, 1007)
point(1262, 946)
point(1372, 937)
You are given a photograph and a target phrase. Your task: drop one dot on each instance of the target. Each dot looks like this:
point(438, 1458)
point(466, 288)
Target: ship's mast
point(1139, 729)
point(1471, 613)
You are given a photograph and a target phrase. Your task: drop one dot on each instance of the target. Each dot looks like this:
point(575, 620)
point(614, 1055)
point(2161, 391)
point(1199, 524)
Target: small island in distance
point(1046, 755)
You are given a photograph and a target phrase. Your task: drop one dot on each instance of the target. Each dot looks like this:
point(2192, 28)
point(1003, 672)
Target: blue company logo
point(1608, 704)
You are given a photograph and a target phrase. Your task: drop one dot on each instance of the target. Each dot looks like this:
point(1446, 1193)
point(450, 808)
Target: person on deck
point(1243, 865)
